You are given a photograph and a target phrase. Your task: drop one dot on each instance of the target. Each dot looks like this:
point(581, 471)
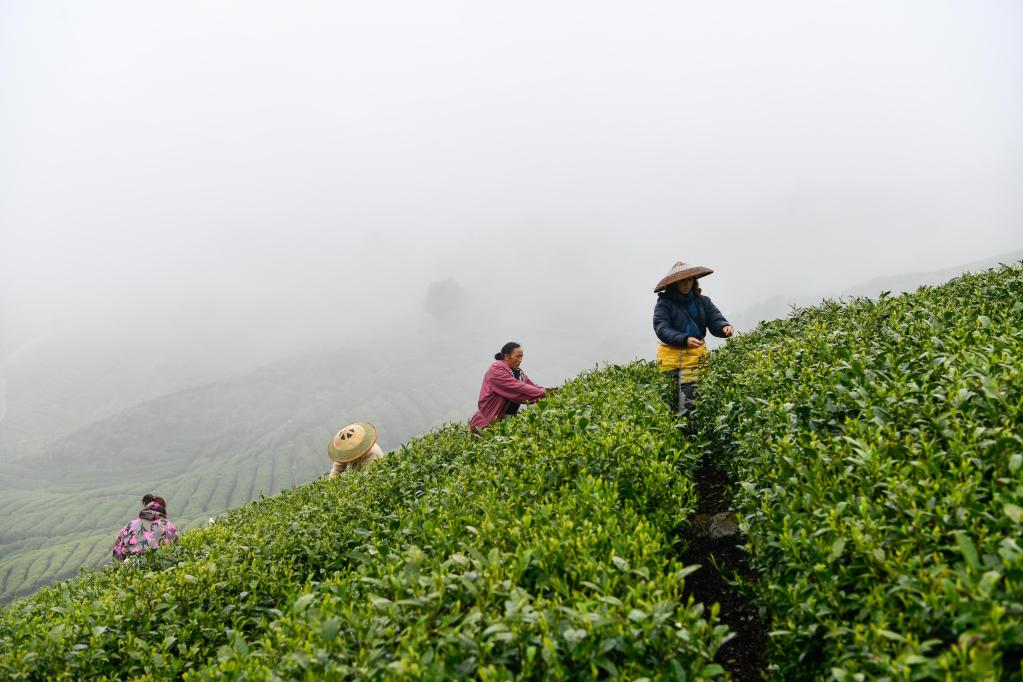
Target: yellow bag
point(688, 360)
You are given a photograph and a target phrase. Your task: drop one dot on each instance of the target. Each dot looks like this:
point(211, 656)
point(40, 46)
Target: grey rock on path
point(715, 526)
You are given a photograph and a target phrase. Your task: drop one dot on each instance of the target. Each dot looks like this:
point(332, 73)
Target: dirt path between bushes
point(713, 541)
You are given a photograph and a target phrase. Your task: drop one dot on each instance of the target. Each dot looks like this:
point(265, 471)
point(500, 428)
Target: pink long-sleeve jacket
point(500, 389)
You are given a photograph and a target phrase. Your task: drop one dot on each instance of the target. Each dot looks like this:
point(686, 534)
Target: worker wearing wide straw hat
point(353, 448)
point(682, 317)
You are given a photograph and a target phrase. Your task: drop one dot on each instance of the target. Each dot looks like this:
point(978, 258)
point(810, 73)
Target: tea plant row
point(878, 445)
point(542, 550)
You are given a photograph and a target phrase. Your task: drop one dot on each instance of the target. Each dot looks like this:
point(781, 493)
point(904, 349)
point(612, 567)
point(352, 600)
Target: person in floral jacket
point(149, 530)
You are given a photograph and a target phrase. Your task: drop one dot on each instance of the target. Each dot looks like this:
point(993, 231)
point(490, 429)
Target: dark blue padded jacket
point(671, 319)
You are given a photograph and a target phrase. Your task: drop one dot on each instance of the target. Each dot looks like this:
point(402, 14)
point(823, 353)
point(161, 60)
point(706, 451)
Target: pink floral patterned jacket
point(149, 530)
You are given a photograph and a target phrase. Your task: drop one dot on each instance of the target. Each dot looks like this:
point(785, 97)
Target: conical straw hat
point(679, 272)
point(352, 442)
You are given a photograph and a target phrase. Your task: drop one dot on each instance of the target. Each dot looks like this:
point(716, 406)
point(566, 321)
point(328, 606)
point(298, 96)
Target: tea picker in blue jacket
point(682, 318)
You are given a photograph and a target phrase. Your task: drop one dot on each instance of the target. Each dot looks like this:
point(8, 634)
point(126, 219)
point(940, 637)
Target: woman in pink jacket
point(505, 387)
point(149, 530)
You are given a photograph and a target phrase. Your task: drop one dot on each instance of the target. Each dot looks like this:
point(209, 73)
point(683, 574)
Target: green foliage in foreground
point(879, 448)
point(542, 549)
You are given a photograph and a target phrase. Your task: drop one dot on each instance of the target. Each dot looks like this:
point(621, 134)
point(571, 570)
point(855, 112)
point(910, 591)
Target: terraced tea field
point(218, 446)
point(205, 450)
point(448, 558)
point(871, 448)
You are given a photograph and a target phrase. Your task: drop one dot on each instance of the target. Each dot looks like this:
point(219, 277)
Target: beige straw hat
point(679, 272)
point(352, 442)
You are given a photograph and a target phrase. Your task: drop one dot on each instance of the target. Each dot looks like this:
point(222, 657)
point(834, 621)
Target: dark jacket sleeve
point(663, 325)
point(716, 322)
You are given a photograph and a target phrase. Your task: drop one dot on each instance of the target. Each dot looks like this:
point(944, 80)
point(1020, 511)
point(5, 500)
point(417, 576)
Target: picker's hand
point(728, 330)
point(694, 342)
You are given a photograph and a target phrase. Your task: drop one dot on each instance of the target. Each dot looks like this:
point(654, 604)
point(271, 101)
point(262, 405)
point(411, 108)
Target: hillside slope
point(876, 452)
point(543, 549)
point(206, 450)
point(877, 449)
point(218, 446)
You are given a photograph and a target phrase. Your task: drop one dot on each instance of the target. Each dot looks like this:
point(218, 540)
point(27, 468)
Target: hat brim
point(695, 273)
point(360, 449)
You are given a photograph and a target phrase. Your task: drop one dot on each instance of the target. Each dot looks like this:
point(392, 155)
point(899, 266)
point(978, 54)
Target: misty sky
point(269, 166)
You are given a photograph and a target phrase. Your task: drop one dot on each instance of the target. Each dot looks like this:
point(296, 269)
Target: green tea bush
point(541, 550)
point(879, 451)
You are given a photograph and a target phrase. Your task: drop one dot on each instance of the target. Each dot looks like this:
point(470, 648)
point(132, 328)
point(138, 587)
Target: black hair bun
point(498, 356)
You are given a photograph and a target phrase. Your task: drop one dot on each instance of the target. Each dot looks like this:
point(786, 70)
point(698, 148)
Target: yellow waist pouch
point(689, 361)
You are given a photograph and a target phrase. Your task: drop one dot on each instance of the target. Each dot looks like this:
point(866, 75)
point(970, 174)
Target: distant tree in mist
point(444, 298)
